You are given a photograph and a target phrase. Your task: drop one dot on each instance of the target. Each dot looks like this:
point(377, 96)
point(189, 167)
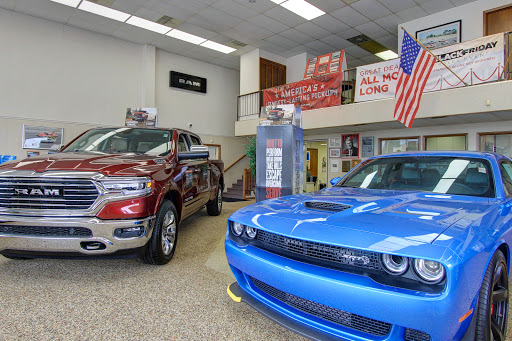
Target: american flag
point(415, 67)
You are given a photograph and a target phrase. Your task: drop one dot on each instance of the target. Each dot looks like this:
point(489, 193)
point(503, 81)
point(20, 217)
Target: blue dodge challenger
point(408, 246)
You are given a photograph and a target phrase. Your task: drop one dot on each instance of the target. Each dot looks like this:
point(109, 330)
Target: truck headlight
point(128, 186)
point(429, 270)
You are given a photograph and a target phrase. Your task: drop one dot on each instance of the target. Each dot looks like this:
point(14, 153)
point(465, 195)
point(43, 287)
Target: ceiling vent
point(358, 39)
point(169, 21)
point(236, 44)
point(106, 3)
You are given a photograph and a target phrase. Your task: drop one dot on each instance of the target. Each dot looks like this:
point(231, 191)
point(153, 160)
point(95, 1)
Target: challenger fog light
point(396, 265)
point(129, 232)
point(429, 270)
point(250, 232)
point(237, 228)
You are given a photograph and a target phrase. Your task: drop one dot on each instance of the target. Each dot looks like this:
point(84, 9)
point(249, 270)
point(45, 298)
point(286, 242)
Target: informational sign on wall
point(141, 117)
point(314, 93)
point(328, 63)
point(279, 161)
point(476, 61)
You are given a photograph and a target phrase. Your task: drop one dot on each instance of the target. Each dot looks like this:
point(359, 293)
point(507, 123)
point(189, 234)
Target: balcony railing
point(249, 105)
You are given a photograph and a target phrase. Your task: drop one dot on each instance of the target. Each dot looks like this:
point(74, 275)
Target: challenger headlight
point(250, 232)
point(396, 265)
point(429, 270)
point(128, 186)
point(237, 229)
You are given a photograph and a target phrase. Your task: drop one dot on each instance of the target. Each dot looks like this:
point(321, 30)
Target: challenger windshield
point(123, 140)
point(437, 174)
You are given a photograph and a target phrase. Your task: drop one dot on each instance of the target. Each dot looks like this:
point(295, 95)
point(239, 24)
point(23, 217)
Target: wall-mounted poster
point(345, 166)
point(440, 35)
point(350, 146)
point(334, 142)
point(39, 137)
point(141, 117)
point(355, 163)
point(367, 146)
point(335, 166)
point(336, 152)
point(327, 63)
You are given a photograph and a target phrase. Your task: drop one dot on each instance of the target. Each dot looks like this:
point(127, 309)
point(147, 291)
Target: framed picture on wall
point(334, 153)
point(367, 146)
point(355, 163)
point(335, 166)
point(334, 142)
point(350, 145)
point(345, 166)
point(440, 35)
point(41, 137)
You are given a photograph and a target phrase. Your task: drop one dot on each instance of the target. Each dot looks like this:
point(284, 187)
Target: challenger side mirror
point(335, 180)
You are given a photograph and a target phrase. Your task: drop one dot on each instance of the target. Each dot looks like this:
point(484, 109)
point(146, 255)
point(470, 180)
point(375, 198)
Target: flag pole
point(439, 60)
point(505, 67)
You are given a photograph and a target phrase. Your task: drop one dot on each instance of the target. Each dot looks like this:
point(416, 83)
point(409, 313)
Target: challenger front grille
point(307, 250)
point(47, 194)
point(416, 335)
point(325, 206)
point(352, 321)
point(49, 231)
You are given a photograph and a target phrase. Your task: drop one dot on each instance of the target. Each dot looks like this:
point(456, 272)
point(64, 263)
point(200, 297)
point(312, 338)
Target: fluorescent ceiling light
point(218, 47)
point(103, 11)
point(303, 8)
point(148, 25)
point(278, 1)
point(386, 55)
point(186, 37)
point(72, 3)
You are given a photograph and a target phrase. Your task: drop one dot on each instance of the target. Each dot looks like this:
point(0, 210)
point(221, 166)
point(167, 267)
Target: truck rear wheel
point(215, 207)
point(161, 246)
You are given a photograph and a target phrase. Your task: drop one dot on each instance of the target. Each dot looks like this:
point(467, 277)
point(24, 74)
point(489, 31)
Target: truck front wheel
point(163, 242)
point(215, 207)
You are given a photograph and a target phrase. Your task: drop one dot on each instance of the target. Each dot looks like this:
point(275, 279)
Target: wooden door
point(313, 162)
point(498, 20)
point(271, 74)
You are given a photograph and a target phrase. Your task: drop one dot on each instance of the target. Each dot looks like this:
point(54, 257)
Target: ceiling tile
point(214, 20)
point(389, 41)
point(350, 16)
point(461, 2)
point(166, 8)
point(330, 23)
point(136, 34)
point(349, 33)
point(285, 16)
point(371, 59)
point(279, 40)
point(171, 45)
point(9, 4)
point(258, 6)
point(243, 50)
point(371, 8)
point(357, 52)
point(43, 9)
point(412, 13)
point(234, 8)
point(196, 30)
point(372, 30)
point(290, 53)
point(93, 22)
point(192, 5)
point(296, 36)
point(336, 42)
point(435, 6)
point(320, 46)
point(390, 23)
point(269, 47)
point(354, 62)
point(398, 5)
point(268, 23)
point(148, 14)
point(313, 30)
point(327, 5)
point(248, 33)
point(128, 6)
point(226, 63)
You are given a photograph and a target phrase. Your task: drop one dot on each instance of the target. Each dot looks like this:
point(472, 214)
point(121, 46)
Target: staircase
point(235, 192)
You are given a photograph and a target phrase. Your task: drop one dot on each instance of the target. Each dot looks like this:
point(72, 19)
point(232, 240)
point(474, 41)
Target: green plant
point(250, 151)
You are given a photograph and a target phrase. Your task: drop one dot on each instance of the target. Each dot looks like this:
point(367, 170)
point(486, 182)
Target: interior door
point(500, 20)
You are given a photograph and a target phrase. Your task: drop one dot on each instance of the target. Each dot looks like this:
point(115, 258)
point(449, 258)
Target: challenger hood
point(108, 164)
point(333, 214)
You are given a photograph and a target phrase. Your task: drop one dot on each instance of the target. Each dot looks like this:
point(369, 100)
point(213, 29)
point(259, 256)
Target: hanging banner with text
point(476, 61)
point(313, 93)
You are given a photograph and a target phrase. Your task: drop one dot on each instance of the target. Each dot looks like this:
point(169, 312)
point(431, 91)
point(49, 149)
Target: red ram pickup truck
point(111, 192)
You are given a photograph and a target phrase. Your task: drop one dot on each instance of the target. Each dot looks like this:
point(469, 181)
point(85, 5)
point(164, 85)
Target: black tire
point(215, 207)
point(16, 257)
point(491, 318)
point(161, 246)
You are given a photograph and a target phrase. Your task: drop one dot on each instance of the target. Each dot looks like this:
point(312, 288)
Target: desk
point(311, 187)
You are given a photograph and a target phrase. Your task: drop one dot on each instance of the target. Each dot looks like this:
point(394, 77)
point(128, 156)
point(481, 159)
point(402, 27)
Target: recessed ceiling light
point(148, 25)
point(103, 11)
point(186, 36)
point(386, 55)
point(218, 47)
point(303, 8)
point(72, 3)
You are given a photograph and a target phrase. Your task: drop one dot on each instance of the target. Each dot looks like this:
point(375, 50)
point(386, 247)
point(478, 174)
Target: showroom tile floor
point(45, 299)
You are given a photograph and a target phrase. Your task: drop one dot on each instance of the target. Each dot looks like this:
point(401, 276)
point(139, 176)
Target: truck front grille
point(49, 231)
point(47, 194)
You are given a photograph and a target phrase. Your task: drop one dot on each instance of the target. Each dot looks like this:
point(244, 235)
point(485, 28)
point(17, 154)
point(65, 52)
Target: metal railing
point(249, 105)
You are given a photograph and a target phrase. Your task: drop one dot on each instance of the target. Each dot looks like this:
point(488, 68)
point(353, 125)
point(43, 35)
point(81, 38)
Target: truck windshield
point(123, 140)
point(437, 174)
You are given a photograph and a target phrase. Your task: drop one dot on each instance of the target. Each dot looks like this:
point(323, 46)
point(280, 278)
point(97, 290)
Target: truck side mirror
point(196, 152)
point(55, 148)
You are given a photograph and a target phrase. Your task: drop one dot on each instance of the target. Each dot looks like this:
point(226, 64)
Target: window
point(506, 174)
point(396, 145)
point(446, 142)
point(182, 144)
point(195, 140)
point(496, 143)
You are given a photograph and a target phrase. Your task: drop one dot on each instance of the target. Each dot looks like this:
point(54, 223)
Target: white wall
point(471, 15)
point(213, 113)
point(295, 67)
point(250, 72)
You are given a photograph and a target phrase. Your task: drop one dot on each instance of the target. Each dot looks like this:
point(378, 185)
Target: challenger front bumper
point(38, 242)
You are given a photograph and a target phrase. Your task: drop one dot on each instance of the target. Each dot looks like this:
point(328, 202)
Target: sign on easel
point(328, 63)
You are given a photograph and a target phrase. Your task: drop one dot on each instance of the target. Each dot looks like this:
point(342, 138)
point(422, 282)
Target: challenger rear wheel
point(162, 244)
point(491, 323)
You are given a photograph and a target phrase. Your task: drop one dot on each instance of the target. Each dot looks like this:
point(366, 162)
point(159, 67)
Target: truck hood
point(108, 164)
point(386, 215)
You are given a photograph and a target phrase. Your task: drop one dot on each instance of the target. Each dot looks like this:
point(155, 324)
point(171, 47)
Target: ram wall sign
point(187, 82)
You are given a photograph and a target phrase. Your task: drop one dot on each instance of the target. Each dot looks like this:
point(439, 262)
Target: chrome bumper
point(102, 231)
